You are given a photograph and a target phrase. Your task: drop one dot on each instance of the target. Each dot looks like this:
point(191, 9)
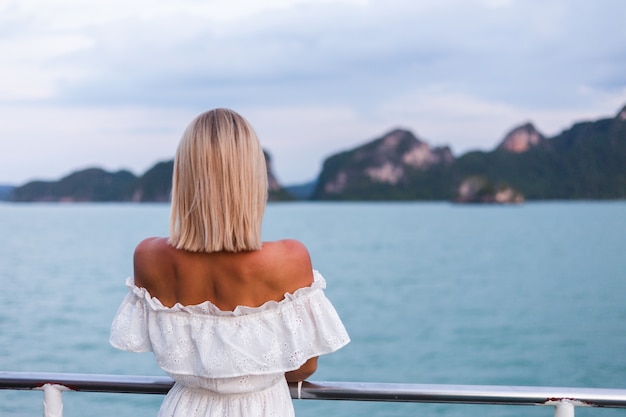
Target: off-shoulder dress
point(229, 363)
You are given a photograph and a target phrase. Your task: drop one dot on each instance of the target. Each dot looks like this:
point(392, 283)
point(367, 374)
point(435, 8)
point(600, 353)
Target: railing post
point(564, 408)
point(52, 400)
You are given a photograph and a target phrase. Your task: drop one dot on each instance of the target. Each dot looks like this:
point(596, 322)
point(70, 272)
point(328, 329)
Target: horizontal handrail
point(462, 394)
point(124, 384)
point(355, 391)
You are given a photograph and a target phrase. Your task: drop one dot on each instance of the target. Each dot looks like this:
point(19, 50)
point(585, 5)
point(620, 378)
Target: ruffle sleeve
point(205, 341)
point(129, 330)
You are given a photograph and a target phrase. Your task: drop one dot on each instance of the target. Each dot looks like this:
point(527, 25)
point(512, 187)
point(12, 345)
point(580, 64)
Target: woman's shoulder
point(287, 246)
point(288, 262)
point(152, 257)
point(286, 253)
point(153, 246)
point(154, 242)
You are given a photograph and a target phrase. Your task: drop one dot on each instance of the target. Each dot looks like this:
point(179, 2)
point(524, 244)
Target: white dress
point(229, 363)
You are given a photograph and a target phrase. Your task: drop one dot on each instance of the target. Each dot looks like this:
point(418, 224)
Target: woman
point(230, 318)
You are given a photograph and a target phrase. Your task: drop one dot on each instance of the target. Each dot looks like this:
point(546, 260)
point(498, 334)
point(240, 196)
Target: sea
point(430, 293)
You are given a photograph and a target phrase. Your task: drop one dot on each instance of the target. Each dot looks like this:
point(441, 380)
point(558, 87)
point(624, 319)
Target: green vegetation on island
point(98, 185)
point(586, 161)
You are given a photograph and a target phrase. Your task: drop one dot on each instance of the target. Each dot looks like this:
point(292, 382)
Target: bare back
point(226, 279)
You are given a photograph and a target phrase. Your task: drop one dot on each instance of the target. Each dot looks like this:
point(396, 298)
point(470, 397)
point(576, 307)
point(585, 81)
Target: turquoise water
point(430, 293)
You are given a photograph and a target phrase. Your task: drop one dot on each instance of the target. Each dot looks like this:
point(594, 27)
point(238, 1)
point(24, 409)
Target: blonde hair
point(219, 186)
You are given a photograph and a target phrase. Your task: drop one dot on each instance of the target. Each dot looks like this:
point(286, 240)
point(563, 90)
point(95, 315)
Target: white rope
point(299, 390)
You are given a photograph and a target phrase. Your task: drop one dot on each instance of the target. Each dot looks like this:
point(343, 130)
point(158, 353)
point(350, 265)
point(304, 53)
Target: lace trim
point(207, 307)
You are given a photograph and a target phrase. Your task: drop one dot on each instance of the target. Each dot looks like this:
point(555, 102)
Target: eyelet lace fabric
point(229, 363)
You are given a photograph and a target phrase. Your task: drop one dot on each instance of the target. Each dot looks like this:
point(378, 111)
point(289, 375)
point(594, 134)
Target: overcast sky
point(113, 83)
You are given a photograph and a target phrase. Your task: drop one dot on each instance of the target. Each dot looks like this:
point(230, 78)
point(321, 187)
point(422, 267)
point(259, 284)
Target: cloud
point(331, 73)
point(45, 142)
point(442, 116)
point(302, 52)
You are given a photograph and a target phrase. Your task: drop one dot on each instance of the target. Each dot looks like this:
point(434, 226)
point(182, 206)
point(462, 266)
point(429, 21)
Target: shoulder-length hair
point(219, 186)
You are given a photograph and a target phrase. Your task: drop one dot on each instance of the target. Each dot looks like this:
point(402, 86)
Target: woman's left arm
point(306, 370)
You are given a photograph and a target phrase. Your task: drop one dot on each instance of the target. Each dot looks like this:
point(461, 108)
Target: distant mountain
point(98, 185)
point(302, 191)
point(479, 189)
point(586, 161)
point(93, 184)
point(522, 139)
point(384, 169)
point(5, 191)
point(155, 185)
point(275, 191)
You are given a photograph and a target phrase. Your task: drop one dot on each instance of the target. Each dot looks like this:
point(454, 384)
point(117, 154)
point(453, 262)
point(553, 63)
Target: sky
point(114, 83)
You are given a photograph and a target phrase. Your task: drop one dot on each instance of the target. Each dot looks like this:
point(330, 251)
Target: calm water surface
point(430, 293)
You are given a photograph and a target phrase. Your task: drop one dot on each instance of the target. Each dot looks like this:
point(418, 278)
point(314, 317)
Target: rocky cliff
point(521, 139)
point(586, 161)
point(276, 192)
point(378, 169)
point(479, 189)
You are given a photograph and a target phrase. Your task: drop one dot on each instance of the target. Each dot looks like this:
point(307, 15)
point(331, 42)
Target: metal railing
point(564, 400)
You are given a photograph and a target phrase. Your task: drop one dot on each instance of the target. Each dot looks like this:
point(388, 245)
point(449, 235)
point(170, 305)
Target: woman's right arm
point(296, 272)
